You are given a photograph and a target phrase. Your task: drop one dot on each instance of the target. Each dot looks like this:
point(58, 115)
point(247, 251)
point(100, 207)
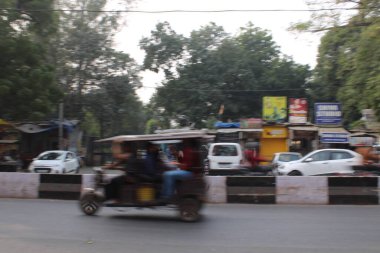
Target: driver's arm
point(115, 165)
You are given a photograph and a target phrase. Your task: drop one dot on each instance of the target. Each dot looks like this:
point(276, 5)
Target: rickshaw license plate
point(145, 193)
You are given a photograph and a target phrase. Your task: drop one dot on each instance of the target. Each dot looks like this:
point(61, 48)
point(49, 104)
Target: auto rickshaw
point(142, 191)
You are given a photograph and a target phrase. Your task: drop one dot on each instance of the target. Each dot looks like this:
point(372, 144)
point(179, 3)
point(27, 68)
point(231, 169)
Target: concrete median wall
point(221, 189)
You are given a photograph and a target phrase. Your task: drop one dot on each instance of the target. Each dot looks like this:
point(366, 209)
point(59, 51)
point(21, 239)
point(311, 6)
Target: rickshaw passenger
point(151, 160)
point(182, 172)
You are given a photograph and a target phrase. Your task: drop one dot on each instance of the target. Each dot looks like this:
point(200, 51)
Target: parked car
point(224, 158)
point(55, 161)
point(284, 157)
point(322, 162)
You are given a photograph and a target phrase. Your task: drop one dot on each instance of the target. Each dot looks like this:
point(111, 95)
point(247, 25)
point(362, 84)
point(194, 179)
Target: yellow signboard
point(275, 132)
point(274, 109)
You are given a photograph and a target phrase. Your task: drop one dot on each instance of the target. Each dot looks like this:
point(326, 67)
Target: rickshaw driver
point(123, 153)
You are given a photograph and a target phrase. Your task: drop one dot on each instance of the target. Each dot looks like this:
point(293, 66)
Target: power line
point(223, 90)
point(185, 11)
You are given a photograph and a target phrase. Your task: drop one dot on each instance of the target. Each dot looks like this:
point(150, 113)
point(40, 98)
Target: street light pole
point(60, 129)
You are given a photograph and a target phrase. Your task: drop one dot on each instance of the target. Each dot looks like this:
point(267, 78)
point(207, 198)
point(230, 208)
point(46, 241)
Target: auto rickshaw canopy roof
point(156, 137)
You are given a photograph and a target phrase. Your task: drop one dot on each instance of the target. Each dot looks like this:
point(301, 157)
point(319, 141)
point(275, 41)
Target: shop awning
point(235, 130)
point(363, 134)
point(333, 135)
point(304, 128)
point(323, 130)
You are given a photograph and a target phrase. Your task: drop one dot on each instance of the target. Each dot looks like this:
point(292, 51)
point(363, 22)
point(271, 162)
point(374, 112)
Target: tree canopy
point(348, 64)
point(28, 90)
point(211, 68)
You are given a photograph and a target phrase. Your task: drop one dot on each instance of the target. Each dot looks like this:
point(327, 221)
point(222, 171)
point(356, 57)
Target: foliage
point(214, 68)
point(28, 90)
point(116, 108)
point(96, 78)
point(337, 14)
point(91, 124)
point(348, 63)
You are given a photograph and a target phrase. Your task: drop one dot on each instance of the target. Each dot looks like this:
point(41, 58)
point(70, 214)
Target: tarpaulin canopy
point(38, 128)
point(227, 124)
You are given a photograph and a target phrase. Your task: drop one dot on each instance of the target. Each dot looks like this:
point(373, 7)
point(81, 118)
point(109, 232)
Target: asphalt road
point(53, 226)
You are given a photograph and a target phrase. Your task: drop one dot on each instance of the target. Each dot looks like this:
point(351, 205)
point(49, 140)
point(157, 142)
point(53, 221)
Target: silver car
point(322, 162)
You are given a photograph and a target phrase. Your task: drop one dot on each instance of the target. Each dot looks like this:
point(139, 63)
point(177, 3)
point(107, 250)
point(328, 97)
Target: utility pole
point(60, 129)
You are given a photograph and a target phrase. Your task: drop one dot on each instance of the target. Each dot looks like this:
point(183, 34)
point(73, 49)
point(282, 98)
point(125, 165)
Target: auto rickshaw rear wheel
point(189, 209)
point(89, 204)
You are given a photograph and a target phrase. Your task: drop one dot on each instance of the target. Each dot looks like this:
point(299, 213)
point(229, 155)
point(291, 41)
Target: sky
point(301, 47)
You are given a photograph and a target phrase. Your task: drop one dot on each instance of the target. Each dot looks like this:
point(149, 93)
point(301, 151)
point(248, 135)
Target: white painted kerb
point(302, 190)
point(19, 185)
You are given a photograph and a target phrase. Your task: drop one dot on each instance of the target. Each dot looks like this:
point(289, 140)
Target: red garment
point(187, 160)
point(253, 158)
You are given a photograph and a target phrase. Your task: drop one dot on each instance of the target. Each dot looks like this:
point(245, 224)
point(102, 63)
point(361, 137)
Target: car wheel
point(295, 173)
point(189, 209)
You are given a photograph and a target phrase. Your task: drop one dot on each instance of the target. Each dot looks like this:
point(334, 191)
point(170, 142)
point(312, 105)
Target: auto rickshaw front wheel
point(189, 209)
point(89, 203)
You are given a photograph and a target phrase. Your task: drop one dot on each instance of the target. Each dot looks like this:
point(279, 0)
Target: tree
point(348, 65)
point(163, 49)
point(219, 69)
point(97, 79)
point(331, 14)
point(28, 90)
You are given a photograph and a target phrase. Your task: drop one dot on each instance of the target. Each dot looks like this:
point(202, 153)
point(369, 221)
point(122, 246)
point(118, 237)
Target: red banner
point(297, 110)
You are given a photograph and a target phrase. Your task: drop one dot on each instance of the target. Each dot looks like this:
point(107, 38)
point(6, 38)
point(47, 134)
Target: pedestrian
point(252, 158)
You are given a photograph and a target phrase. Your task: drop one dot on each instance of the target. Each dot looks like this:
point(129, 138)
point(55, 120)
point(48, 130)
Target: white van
point(224, 156)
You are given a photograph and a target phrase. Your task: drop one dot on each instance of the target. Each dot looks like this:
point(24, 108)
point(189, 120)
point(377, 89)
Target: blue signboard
point(334, 138)
point(328, 114)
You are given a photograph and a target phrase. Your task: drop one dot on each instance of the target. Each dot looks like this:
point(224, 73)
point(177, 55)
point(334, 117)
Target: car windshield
point(288, 157)
point(51, 156)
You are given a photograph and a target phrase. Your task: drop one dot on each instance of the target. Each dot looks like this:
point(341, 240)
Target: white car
point(55, 161)
point(224, 156)
point(322, 162)
point(284, 157)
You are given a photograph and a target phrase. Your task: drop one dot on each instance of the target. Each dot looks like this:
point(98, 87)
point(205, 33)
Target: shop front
point(303, 139)
point(274, 139)
point(333, 137)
